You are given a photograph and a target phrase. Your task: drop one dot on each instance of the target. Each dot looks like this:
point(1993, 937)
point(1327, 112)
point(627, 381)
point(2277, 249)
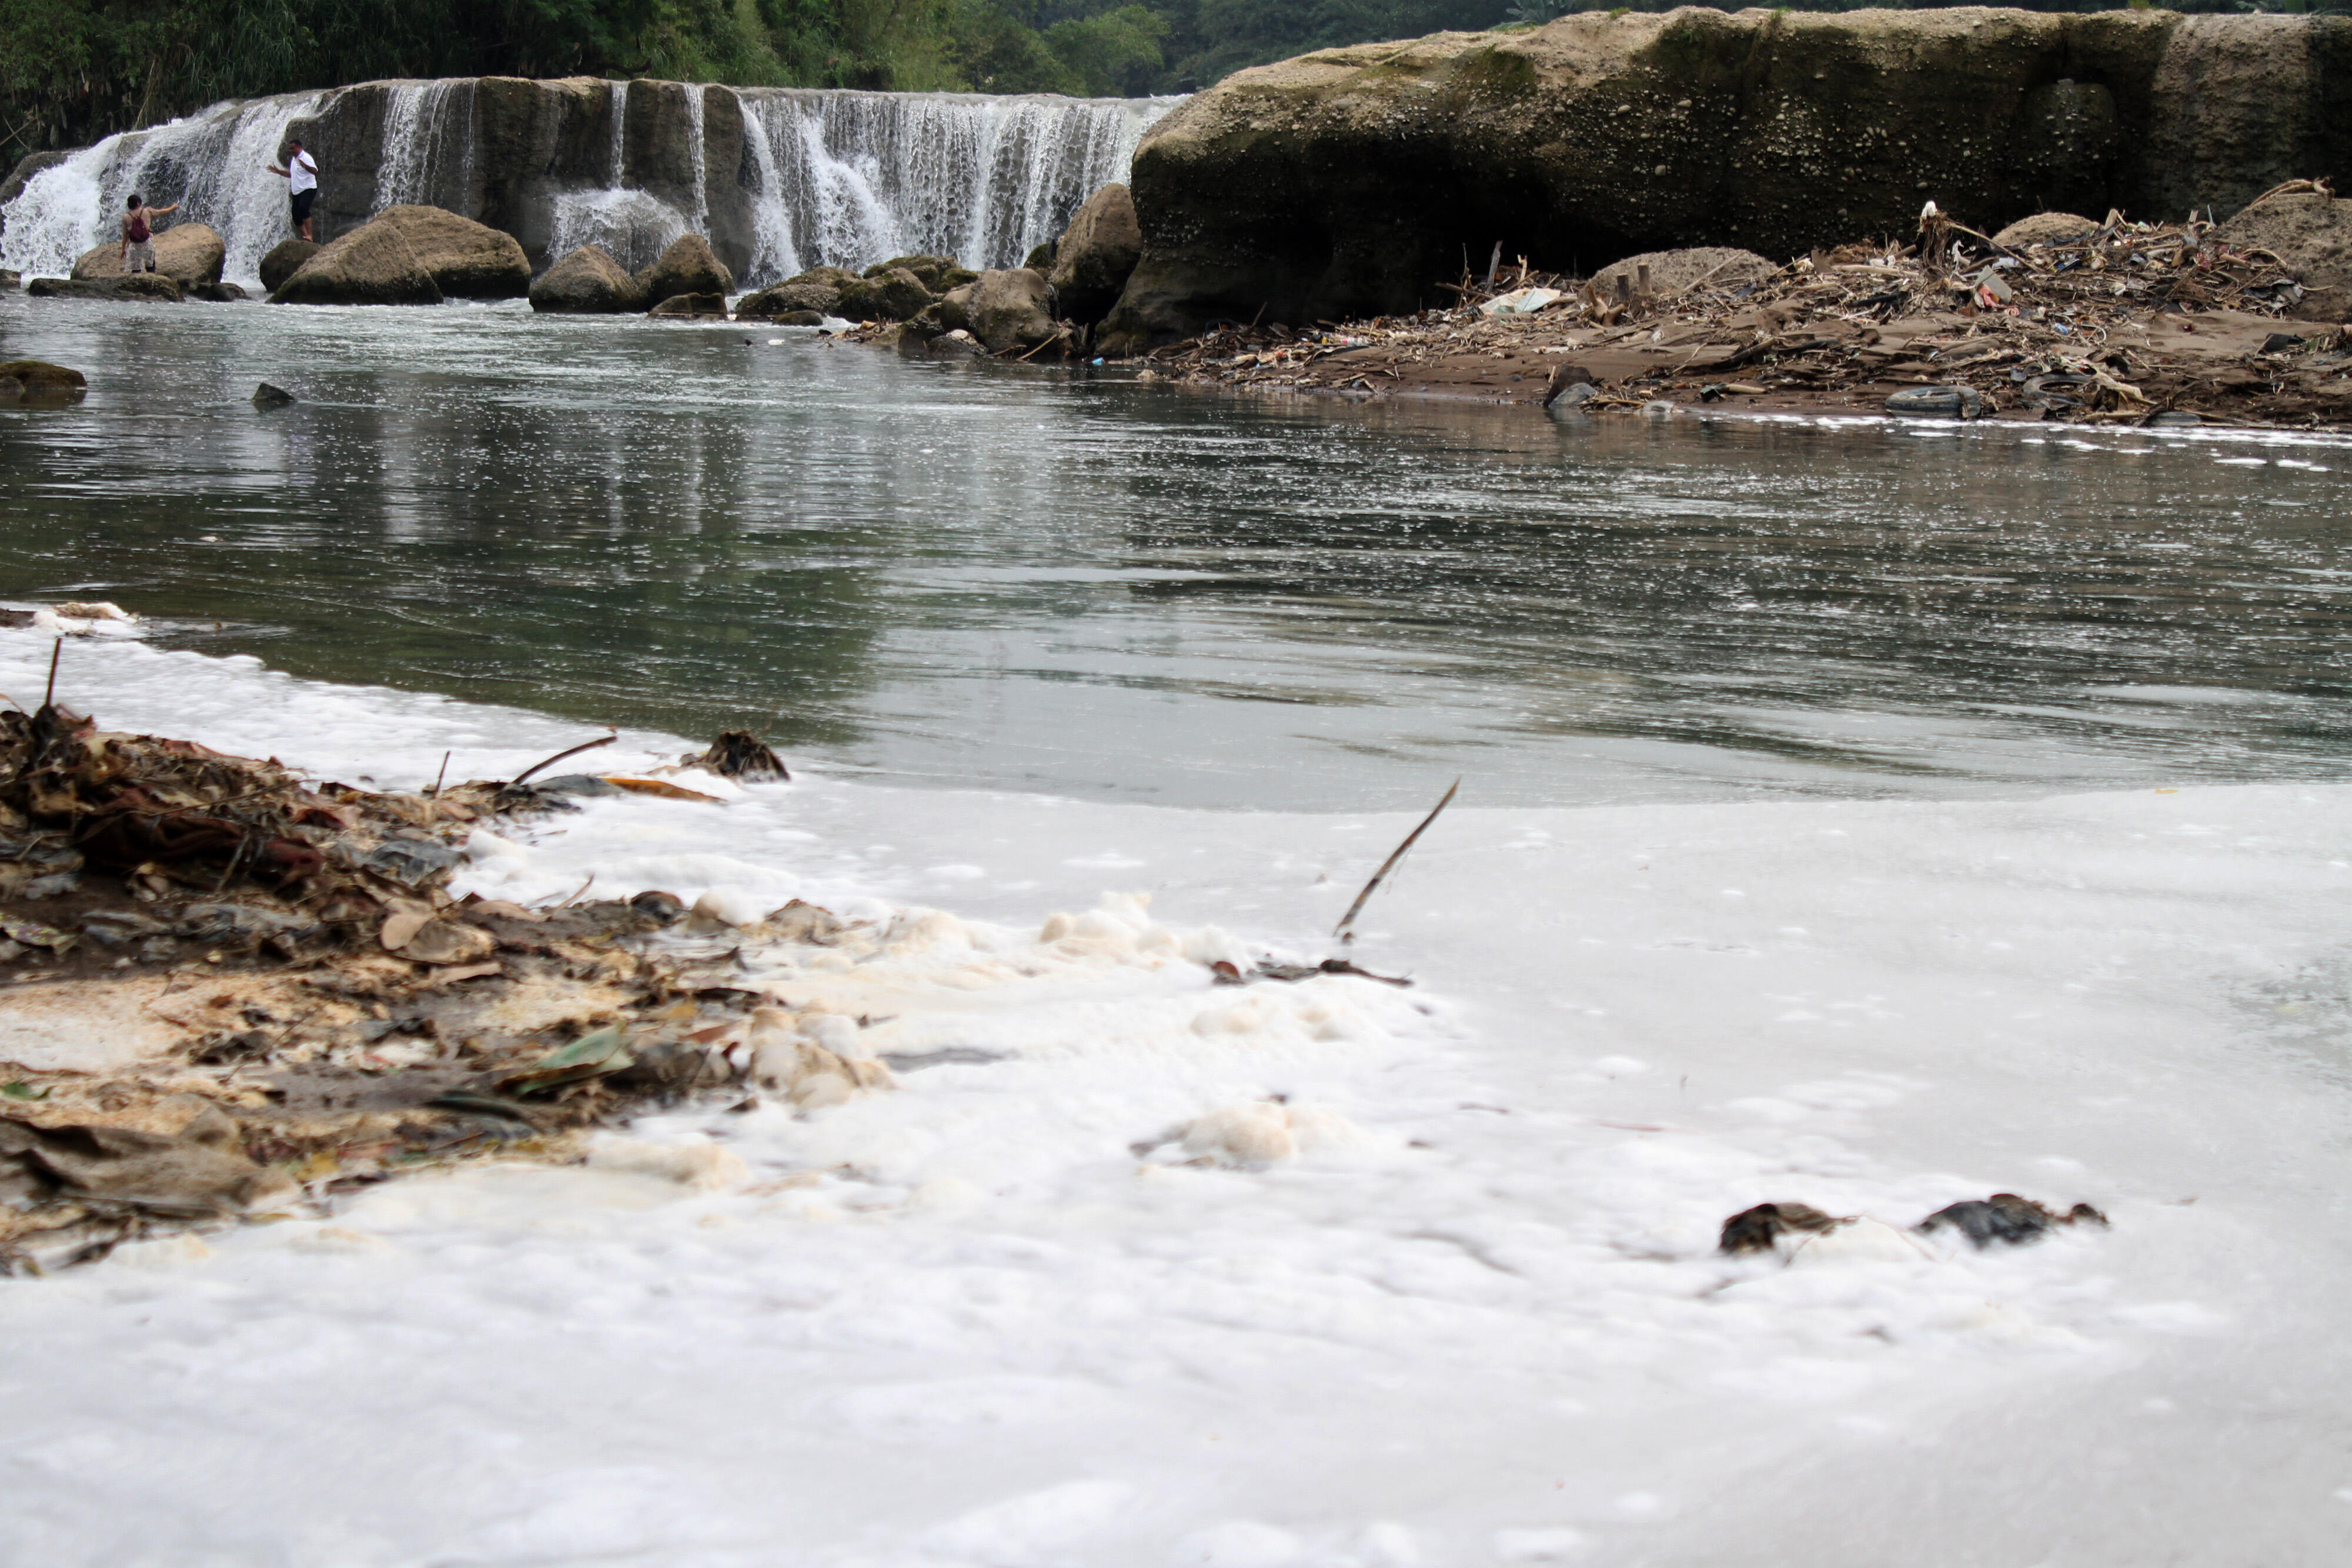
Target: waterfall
point(619, 99)
point(852, 178)
point(634, 228)
point(213, 164)
point(821, 177)
point(416, 167)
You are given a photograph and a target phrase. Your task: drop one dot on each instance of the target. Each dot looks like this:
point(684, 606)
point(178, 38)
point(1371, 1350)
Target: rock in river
point(1094, 255)
point(284, 260)
point(185, 252)
point(373, 264)
point(691, 304)
point(37, 381)
point(687, 266)
point(790, 298)
point(128, 286)
point(896, 294)
point(1007, 309)
point(587, 282)
point(465, 260)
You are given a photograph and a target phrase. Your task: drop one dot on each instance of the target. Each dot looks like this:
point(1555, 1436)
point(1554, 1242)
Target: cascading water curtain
point(213, 164)
point(841, 178)
point(848, 179)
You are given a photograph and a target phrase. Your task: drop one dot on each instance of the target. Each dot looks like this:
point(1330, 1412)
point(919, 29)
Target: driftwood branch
point(1345, 931)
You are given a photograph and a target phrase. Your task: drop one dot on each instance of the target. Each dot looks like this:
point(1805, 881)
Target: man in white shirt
point(301, 177)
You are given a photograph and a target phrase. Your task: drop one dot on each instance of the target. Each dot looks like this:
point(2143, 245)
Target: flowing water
point(1073, 583)
point(214, 165)
point(838, 177)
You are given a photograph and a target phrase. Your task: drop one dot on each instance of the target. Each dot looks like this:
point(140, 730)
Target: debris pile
point(305, 1005)
point(2079, 321)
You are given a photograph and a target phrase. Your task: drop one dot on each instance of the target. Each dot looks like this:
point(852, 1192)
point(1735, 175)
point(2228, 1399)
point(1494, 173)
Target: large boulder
point(1096, 254)
point(2311, 233)
point(1007, 309)
point(792, 298)
point(587, 282)
point(373, 264)
point(896, 294)
point(1353, 180)
point(187, 254)
point(466, 261)
point(152, 286)
point(687, 266)
point(284, 260)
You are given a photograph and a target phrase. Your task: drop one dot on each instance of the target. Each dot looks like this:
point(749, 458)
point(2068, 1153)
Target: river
point(1068, 582)
point(1095, 682)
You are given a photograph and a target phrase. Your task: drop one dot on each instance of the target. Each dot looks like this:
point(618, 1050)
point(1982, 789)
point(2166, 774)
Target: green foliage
point(1113, 54)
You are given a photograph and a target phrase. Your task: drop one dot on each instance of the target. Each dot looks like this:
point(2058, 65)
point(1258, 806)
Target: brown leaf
point(401, 927)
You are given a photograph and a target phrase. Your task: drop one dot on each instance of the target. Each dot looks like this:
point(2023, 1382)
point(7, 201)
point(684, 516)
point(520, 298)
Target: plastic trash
point(1520, 302)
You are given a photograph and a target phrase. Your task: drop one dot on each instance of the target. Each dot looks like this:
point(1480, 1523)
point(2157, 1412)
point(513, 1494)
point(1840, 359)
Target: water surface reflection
point(1088, 586)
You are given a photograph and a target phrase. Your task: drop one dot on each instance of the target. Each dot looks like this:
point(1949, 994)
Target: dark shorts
point(303, 199)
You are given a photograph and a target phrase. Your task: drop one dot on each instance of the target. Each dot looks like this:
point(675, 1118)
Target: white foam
point(1466, 1319)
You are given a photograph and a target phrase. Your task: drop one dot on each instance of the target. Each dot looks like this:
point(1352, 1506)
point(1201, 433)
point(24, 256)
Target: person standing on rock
point(138, 251)
point(301, 176)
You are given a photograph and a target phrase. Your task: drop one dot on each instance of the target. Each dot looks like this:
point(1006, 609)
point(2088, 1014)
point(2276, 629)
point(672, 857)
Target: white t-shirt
point(301, 174)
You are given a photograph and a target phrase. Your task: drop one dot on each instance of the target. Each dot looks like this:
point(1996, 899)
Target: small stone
point(268, 396)
point(690, 305)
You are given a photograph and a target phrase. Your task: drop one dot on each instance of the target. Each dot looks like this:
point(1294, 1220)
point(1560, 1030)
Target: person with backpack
point(137, 253)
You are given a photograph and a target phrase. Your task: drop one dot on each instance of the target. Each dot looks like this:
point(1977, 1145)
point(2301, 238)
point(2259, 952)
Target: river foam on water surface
point(1472, 1314)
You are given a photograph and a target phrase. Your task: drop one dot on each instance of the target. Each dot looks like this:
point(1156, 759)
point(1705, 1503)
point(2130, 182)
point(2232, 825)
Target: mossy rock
point(896, 294)
point(931, 271)
point(826, 276)
point(37, 380)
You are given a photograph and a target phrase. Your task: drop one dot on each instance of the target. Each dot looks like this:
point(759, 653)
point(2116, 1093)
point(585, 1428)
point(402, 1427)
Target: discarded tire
point(1937, 402)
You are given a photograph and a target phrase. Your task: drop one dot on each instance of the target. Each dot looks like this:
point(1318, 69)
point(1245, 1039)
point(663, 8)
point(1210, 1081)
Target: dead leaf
point(656, 788)
point(401, 927)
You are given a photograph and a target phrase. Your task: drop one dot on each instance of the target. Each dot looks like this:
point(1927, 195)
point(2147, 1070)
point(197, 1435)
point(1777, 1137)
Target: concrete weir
point(778, 179)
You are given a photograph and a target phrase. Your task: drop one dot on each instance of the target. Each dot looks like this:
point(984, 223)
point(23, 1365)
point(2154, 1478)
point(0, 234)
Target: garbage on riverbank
point(289, 1001)
point(1800, 1228)
point(2058, 318)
